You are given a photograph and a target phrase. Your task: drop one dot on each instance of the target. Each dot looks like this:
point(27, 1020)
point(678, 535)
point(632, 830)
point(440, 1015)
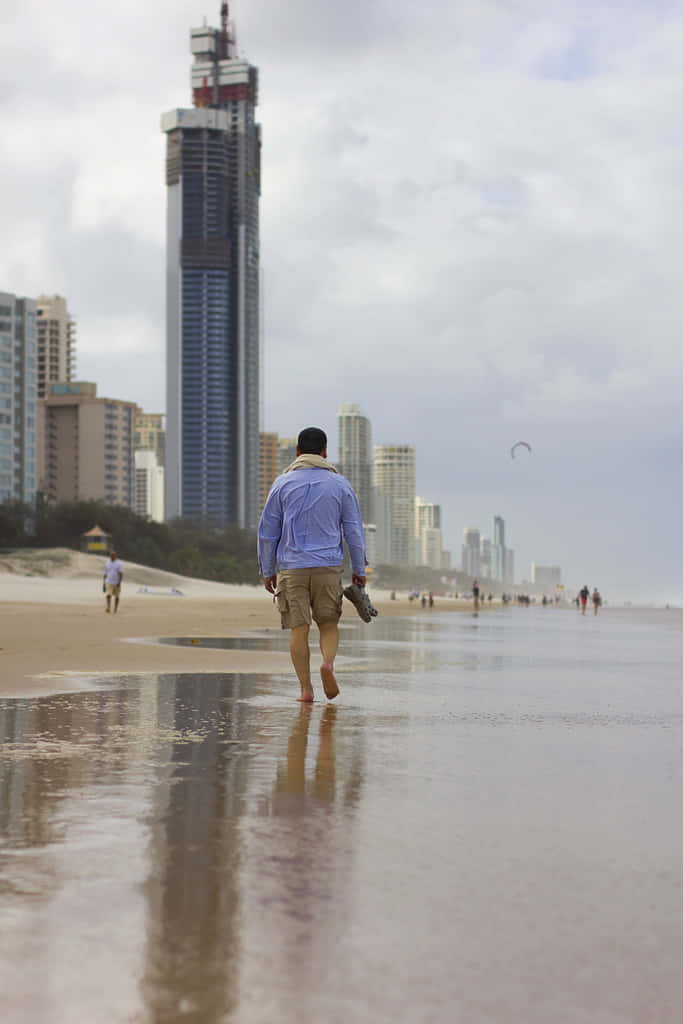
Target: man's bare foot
point(329, 682)
point(306, 697)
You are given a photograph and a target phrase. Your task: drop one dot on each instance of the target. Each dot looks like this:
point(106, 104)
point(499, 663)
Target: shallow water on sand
point(485, 827)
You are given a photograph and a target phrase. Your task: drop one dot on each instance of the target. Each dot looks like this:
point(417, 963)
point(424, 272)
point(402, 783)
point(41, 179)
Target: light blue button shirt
point(302, 523)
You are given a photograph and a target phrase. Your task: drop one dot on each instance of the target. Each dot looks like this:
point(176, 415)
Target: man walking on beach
point(113, 576)
point(309, 508)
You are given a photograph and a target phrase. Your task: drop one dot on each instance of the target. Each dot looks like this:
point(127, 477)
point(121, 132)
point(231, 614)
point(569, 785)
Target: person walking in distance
point(596, 599)
point(583, 594)
point(309, 511)
point(475, 594)
point(113, 577)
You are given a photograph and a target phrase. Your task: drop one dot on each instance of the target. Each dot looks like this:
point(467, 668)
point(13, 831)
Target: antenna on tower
point(224, 31)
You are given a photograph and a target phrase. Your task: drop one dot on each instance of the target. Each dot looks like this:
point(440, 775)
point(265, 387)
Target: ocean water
point(485, 827)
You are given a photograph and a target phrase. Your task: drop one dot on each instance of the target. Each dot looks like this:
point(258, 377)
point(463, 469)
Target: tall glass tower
point(213, 174)
point(355, 454)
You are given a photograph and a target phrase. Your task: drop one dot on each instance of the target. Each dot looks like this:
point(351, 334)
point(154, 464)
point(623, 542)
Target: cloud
point(471, 218)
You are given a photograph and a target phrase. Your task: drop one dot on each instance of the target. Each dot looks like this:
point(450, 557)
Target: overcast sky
point(472, 222)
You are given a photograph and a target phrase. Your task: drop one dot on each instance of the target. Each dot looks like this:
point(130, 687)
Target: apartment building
point(87, 445)
point(18, 402)
point(56, 331)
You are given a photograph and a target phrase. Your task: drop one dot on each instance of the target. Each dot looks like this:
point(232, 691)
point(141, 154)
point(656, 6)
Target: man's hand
point(358, 580)
point(269, 583)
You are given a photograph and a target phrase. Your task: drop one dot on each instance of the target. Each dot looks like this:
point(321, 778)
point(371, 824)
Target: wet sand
point(55, 634)
point(485, 827)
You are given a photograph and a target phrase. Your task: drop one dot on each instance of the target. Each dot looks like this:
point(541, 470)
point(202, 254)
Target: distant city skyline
point(477, 281)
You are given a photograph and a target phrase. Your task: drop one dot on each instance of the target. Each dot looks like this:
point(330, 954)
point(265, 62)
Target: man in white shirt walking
point(113, 576)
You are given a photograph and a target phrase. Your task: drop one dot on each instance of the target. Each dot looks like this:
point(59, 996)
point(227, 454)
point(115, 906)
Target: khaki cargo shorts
point(305, 594)
point(112, 589)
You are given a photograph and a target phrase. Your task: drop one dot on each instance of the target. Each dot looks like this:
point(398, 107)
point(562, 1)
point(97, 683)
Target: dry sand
point(55, 634)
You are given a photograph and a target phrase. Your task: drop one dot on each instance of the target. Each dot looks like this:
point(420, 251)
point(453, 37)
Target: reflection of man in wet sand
point(309, 509)
point(292, 780)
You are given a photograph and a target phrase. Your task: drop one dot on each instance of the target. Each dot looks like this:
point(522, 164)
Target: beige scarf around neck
point(310, 461)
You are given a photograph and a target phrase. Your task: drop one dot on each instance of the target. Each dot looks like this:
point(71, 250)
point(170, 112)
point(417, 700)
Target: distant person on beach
point(475, 595)
point(309, 509)
point(584, 594)
point(113, 577)
point(596, 599)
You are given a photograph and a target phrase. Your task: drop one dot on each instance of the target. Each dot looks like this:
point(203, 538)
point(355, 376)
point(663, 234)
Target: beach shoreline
point(55, 634)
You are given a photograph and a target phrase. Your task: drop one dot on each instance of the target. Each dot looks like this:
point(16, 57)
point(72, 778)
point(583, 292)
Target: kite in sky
point(522, 444)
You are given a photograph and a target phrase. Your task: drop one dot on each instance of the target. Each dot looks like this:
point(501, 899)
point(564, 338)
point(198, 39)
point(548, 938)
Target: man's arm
point(352, 525)
point(269, 533)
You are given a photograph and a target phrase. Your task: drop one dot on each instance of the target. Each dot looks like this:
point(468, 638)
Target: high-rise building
point(56, 342)
point(18, 401)
point(546, 575)
point(498, 550)
point(485, 559)
point(268, 452)
point(212, 301)
point(427, 521)
point(286, 453)
point(150, 434)
point(87, 445)
point(148, 499)
point(395, 477)
point(509, 576)
point(383, 518)
point(430, 547)
point(470, 562)
point(355, 455)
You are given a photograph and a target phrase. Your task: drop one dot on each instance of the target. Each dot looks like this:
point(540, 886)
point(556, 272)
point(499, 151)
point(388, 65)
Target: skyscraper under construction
point(213, 176)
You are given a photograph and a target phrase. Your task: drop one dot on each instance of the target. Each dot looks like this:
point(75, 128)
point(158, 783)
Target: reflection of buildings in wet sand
point(298, 861)
point(67, 786)
point(171, 785)
point(195, 854)
point(53, 747)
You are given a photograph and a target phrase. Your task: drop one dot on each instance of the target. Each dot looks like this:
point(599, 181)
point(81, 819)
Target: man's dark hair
point(311, 441)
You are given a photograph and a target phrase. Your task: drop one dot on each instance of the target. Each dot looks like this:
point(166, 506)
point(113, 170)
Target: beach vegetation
point(181, 546)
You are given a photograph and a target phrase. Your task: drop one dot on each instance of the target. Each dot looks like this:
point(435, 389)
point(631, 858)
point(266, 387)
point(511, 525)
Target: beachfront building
point(150, 434)
point(546, 575)
point(395, 477)
point(485, 559)
point(470, 554)
point(268, 471)
point(286, 453)
point(498, 550)
point(354, 460)
point(509, 576)
point(430, 548)
point(56, 335)
point(86, 445)
point(212, 299)
point(148, 497)
point(427, 533)
point(383, 517)
point(18, 399)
